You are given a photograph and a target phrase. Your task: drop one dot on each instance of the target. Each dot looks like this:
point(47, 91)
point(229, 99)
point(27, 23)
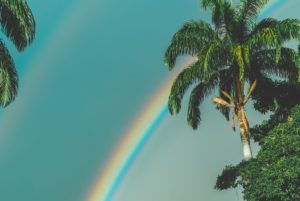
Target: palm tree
point(18, 25)
point(233, 51)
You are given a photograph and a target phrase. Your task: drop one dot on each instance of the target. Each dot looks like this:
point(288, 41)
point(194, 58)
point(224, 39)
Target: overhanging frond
point(218, 19)
point(189, 40)
point(223, 16)
point(197, 95)
point(209, 4)
point(288, 65)
point(212, 57)
point(8, 77)
point(264, 38)
point(288, 29)
point(183, 81)
point(249, 10)
point(265, 23)
point(17, 22)
point(230, 19)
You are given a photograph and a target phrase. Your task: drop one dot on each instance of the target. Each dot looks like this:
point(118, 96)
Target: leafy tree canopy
point(278, 97)
point(274, 175)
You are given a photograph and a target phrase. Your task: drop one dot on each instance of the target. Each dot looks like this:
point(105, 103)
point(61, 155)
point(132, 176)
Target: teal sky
point(93, 66)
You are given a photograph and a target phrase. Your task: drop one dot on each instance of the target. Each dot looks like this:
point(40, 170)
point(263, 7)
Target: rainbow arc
point(140, 132)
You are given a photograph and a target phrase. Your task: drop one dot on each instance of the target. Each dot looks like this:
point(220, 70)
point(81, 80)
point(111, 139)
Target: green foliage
point(8, 77)
point(228, 178)
point(197, 96)
point(17, 22)
point(286, 67)
point(247, 49)
point(18, 25)
point(278, 97)
point(189, 40)
point(249, 10)
point(187, 77)
point(274, 175)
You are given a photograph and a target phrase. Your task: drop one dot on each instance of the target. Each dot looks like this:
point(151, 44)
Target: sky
point(92, 68)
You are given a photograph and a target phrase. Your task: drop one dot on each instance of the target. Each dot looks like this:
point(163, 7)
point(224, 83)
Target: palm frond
point(265, 23)
point(183, 81)
point(288, 65)
point(218, 20)
point(209, 4)
point(230, 21)
point(189, 40)
point(197, 95)
point(8, 77)
point(249, 10)
point(223, 16)
point(264, 38)
point(289, 28)
point(212, 57)
point(17, 22)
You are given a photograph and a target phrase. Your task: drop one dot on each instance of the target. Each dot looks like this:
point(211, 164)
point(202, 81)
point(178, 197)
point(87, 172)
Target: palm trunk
point(245, 132)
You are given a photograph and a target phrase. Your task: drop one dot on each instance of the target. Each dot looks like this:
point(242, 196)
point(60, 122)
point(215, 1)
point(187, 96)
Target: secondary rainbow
point(139, 132)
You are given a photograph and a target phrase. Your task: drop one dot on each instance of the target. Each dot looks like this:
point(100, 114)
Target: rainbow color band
point(139, 133)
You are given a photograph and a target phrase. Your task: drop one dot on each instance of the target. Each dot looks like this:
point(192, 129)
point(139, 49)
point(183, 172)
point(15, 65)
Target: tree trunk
point(246, 148)
point(245, 132)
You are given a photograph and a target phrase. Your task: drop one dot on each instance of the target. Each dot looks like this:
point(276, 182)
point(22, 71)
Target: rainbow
point(139, 133)
point(133, 141)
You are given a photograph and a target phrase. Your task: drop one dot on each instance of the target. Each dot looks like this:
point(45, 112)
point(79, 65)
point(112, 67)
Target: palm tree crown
point(18, 25)
point(233, 51)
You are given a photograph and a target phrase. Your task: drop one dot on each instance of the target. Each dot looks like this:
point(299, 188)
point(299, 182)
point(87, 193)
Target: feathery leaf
point(197, 95)
point(188, 40)
point(287, 66)
point(8, 77)
point(17, 22)
point(183, 81)
point(249, 10)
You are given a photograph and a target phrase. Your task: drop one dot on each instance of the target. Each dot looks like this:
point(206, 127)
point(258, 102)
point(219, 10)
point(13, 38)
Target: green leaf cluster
point(17, 23)
point(235, 48)
point(274, 175)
